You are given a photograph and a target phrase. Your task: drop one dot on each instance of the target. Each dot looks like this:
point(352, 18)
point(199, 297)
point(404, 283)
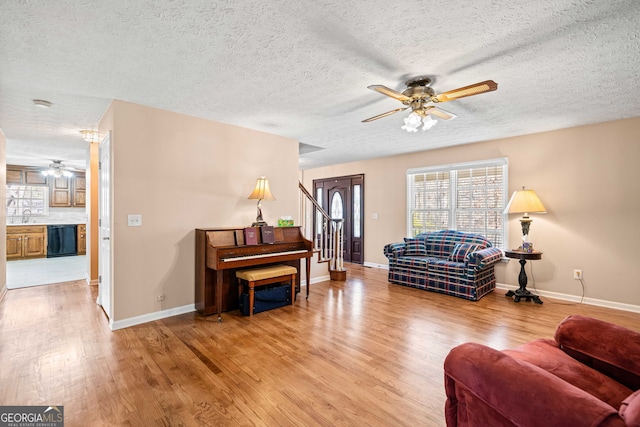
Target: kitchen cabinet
point(26, 241)
point(34, 177)
point(82, 239)
point(15, 175)
point(79, 190)
point(25, 175)
point(60, 192)
point(68, 191)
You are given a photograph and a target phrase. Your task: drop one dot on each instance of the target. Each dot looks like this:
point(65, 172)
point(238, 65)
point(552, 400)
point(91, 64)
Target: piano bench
point(265, 276)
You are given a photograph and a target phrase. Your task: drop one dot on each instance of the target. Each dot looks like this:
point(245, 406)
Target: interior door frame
point(353, 245)
point(105, 252)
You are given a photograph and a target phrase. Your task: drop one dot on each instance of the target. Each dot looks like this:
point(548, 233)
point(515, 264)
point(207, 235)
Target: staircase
point(326, 233)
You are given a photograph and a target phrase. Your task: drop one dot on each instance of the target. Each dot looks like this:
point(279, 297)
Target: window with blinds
point(467, 197)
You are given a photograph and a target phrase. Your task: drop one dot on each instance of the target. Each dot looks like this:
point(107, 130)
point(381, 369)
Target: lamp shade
point(261, 191)
point(524, 201)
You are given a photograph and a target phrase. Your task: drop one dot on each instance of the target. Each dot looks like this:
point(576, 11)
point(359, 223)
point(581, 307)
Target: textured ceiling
point(301, 69)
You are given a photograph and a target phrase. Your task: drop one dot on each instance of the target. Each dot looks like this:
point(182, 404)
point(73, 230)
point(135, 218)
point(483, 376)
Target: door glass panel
point(356, 210)
point(318, 214)
point(337, 209)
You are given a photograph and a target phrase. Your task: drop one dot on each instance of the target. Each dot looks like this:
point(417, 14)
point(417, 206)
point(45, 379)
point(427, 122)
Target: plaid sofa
point(446, 261)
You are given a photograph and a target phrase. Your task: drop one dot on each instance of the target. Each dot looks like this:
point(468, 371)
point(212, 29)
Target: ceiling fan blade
point(389, 92)
point(475, 89)
point(379, 116)
point(439, 112)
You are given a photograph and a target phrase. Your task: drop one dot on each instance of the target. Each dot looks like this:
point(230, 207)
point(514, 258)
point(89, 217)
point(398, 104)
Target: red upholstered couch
point(589, 375)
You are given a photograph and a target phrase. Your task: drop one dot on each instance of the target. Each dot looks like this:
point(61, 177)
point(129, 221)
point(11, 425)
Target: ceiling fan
point(58, 169)
point(418, 94)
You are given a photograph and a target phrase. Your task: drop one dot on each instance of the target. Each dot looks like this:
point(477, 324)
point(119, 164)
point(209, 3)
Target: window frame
point(453, 169)
point(26, 203)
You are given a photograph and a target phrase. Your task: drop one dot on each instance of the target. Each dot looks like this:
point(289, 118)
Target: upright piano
point(222, 251)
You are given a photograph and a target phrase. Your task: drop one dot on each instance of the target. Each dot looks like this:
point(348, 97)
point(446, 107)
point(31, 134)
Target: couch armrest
point(394, 250)
point(484, 258)
point(486, 387)
point(608, 348)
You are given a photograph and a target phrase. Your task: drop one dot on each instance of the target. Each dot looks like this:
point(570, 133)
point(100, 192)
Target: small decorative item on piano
point(266, 233)
point(285, 221)
point(251, 236)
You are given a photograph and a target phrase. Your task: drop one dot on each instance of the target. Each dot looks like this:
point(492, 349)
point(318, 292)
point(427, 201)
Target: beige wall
point(585, 176)
point(182, 173)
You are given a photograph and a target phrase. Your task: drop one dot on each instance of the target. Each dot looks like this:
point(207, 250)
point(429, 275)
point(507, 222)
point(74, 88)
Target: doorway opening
point(343, 197)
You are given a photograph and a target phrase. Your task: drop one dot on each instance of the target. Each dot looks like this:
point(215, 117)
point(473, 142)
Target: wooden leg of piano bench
point(292, 280)
point(252, 286)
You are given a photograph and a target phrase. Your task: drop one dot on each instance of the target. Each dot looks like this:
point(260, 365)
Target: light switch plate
point(134, 220)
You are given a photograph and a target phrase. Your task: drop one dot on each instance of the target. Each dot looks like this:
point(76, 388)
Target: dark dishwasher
point(61, 240)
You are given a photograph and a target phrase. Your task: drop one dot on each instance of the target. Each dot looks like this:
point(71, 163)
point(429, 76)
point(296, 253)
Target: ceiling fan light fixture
point(57, 170)
point(414, 120)
point(428, 122)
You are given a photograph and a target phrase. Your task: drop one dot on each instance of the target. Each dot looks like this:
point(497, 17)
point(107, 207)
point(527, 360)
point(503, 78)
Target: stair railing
point(326, 233)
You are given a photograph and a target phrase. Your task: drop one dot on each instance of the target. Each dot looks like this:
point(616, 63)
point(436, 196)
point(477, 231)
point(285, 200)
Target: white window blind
point(467, 197)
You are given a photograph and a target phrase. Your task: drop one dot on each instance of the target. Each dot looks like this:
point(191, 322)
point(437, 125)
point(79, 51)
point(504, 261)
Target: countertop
point(46, 223)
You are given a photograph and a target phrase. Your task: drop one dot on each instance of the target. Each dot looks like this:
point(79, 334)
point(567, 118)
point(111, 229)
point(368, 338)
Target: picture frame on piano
point(251, 235)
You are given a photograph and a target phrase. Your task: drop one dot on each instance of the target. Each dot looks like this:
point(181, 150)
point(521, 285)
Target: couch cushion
point(547, 355)
point(448, 270)
point(440, 244)
point(418, 263)
point(414, 247)
point(461, 250)
point(478, 378)
point(608, 348)
point(630, 410)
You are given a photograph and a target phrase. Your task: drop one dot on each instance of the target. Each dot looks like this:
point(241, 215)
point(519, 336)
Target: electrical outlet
point(577, 274)
point(160, 298)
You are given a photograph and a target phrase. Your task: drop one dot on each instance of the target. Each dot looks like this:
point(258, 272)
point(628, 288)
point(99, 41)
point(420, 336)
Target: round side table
point(522, 291)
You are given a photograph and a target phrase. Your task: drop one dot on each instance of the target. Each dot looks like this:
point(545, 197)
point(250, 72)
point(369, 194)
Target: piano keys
point(221, 251)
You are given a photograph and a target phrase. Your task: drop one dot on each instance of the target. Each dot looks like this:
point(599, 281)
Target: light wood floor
point(360, 352)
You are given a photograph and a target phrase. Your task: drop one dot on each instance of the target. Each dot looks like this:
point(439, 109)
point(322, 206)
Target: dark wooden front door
point(343, 197)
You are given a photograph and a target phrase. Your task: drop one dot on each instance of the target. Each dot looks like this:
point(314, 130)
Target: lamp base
point(259, 223)
point(525, 222)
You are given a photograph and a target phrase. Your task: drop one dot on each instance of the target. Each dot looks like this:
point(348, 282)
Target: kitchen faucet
point(25, 219)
